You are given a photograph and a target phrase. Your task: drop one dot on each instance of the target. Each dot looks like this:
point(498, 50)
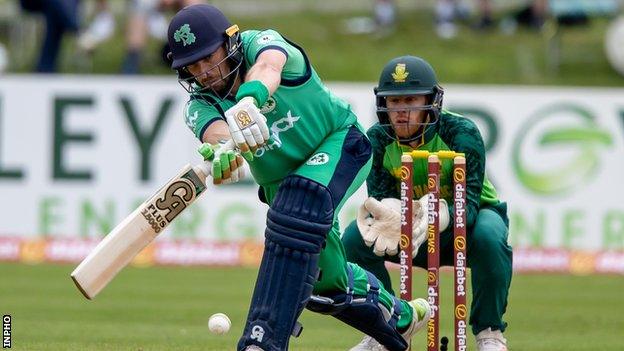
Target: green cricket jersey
point(300, 114)
point(452, 132)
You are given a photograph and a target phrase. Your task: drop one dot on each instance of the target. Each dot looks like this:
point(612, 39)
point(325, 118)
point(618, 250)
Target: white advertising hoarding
point(78, 153)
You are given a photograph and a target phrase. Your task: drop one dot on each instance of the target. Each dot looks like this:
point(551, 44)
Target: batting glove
point(224, 162)
point(247, 126)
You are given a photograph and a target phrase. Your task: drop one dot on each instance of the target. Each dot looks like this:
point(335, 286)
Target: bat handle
point(203, 170)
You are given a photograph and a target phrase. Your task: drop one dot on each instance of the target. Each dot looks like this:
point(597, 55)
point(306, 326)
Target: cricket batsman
point(409, 108)
point(307, 151)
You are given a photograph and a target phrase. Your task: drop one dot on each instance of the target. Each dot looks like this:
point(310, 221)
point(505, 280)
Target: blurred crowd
point(145, 18)
point(141, 20)
point(448, 13)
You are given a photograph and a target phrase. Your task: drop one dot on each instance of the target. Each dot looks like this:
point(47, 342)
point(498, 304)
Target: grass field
point(168, 309)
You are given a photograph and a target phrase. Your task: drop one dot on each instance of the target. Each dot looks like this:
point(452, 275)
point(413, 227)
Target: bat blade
point(137, 230)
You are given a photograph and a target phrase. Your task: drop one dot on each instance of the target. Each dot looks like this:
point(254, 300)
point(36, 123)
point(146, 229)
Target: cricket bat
point(135, 232)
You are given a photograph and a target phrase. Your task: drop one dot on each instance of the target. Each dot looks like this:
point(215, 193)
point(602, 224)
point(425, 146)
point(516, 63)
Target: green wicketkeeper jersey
point(300, 114)
point(452, 132)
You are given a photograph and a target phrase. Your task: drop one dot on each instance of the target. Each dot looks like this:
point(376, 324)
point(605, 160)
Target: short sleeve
point(256, 42)
point(198, 115)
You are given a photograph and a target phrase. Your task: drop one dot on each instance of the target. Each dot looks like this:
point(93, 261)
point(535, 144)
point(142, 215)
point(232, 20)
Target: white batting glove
point(421, 221)
point(247, 126)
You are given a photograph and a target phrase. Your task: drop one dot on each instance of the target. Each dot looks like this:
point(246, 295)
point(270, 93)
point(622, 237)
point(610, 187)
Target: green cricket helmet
point(409, 75)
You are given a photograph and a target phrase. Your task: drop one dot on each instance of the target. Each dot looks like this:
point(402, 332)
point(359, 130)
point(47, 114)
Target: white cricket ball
point(219, 323)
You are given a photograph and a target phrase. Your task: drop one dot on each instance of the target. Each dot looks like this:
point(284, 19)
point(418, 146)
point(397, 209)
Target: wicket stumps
point(433, 240)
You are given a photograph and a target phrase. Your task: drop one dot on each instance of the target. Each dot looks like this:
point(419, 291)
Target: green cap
point(407, 75)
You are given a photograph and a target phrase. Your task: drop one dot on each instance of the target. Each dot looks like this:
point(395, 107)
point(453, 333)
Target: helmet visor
point(397, 92)
point(408, 124)
point(216, 80)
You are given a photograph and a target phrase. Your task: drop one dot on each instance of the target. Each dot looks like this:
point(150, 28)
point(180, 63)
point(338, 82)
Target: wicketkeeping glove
point(224, 162)
point(379, 223)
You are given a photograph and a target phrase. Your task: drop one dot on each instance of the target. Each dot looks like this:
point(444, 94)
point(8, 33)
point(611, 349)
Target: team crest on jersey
point(400, 73)
point(268, 106)
point(318, 159)
point(265, 39)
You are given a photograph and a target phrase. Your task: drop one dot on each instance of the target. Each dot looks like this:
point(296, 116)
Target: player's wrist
point(254, 89)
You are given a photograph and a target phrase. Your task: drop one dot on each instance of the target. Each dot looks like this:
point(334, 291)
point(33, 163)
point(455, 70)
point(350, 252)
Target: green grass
point(168, 309)
point(473, 57)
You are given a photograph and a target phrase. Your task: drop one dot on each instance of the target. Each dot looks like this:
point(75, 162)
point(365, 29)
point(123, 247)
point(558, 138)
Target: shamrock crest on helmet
point(184, 35)
point(195, 33)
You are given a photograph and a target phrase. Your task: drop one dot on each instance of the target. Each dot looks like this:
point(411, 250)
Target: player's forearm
point(216, 132)
point(264, 77)
point(267, 74)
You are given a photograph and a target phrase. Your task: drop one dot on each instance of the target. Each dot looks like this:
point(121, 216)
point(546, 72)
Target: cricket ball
point(219, 323)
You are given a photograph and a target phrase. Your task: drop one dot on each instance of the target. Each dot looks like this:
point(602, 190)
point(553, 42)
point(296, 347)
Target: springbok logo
point(400, 73)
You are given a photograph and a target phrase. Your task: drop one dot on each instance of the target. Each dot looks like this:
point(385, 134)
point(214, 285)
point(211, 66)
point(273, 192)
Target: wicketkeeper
point(308, 153)
point(409, 108)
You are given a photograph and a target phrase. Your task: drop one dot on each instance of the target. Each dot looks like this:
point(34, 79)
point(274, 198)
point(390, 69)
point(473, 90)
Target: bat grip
point(203, 170)
point(205, 167)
